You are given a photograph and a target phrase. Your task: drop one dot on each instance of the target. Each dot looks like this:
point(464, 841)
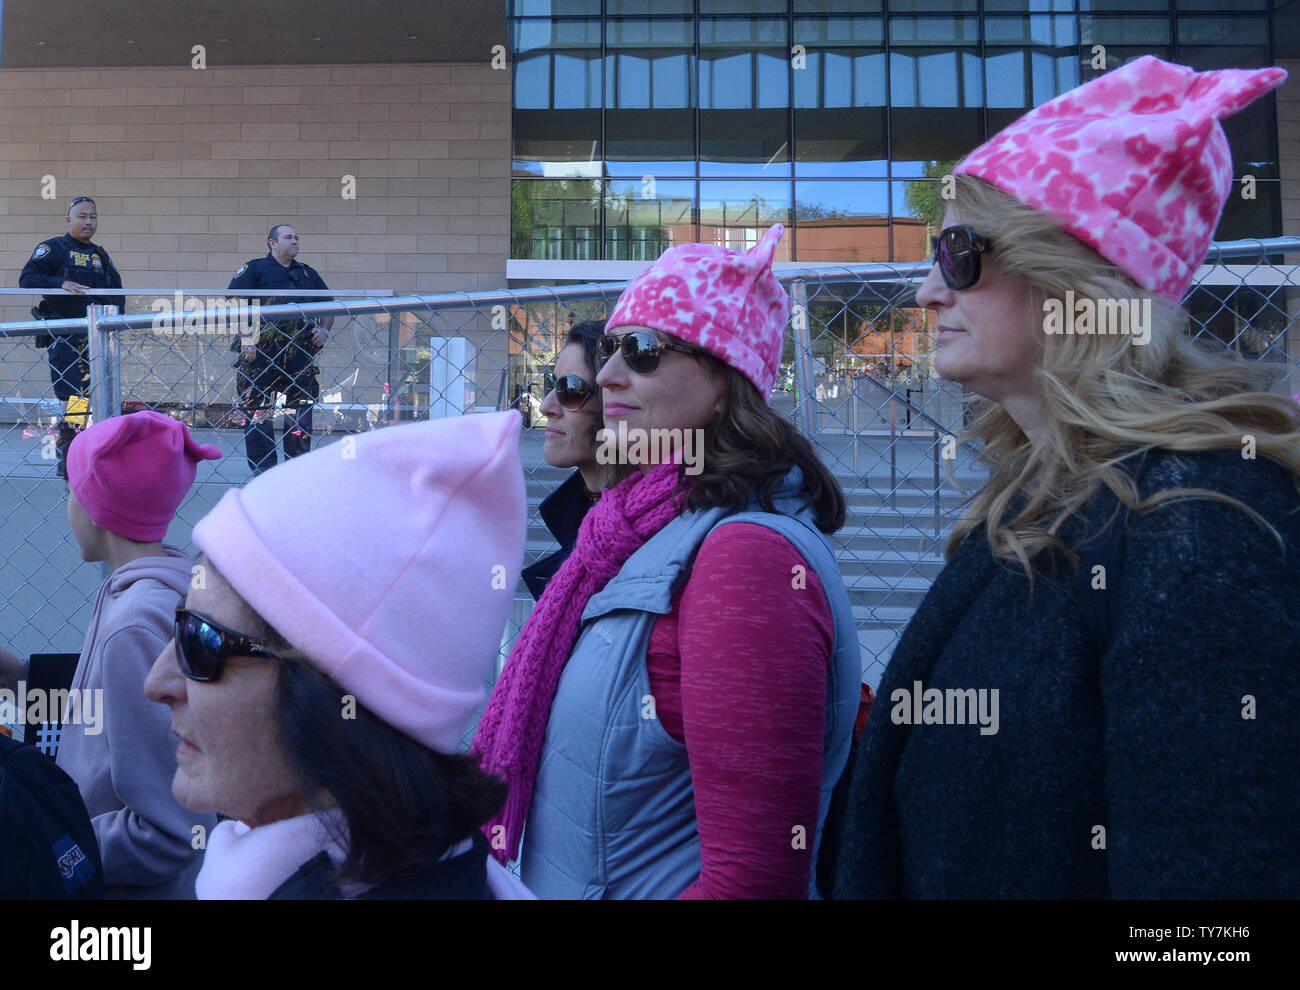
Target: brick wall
point(189, 168)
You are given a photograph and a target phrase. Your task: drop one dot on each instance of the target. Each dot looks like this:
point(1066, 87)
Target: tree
point(924, 197)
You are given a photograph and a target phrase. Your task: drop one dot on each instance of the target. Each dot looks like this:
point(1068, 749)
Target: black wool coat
point(1164, 767)
point(563, 511)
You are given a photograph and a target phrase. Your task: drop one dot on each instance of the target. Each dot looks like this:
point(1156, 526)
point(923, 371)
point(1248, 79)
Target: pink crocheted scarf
point(513, 727)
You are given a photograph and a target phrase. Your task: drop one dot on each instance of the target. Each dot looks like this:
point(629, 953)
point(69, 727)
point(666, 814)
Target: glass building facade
point(640, 124)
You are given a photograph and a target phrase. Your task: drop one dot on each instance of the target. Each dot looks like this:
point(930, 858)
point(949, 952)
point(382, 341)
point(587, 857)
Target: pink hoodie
point(125, 769)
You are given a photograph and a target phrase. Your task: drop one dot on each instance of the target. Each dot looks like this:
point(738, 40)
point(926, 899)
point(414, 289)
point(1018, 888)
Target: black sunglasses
point(957, 253)
point(203, 647)
point(571, 390)
point(80, 199)
point(641, 350)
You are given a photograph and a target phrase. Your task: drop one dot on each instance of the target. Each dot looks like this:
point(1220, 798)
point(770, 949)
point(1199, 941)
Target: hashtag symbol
point(47, 737)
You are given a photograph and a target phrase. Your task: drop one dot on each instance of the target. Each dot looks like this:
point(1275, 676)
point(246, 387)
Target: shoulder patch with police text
point(242, 269)
point(41, 251)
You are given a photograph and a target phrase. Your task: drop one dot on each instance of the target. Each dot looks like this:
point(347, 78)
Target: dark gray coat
point(1147, 742)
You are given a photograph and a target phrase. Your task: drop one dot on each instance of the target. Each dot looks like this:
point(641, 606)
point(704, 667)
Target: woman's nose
point(550, 406)
point(934, 292)
point(165, 682)
point(612, 372)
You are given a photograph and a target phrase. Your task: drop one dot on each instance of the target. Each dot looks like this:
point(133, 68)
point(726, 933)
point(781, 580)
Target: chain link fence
point(857, 377)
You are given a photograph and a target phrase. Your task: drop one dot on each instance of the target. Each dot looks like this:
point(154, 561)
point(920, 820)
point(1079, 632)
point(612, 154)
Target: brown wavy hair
point(749, 448)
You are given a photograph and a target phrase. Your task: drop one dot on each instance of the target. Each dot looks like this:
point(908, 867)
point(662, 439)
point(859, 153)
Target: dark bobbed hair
point(586, 334)
point(405, 805)
point(750, 448)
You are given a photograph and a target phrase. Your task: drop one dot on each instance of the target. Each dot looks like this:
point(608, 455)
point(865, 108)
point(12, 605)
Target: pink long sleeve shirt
point(738, 671)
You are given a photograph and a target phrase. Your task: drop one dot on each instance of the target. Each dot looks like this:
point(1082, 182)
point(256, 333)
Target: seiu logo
point(69, 861)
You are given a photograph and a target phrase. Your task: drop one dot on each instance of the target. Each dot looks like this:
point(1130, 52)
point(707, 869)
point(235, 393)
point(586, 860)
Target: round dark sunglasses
point(641, 349)
point(957, 253)
point(203, 647)
point(571, 391)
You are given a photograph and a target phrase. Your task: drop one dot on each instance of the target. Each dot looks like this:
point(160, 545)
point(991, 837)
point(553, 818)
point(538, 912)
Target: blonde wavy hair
point(1105, 395)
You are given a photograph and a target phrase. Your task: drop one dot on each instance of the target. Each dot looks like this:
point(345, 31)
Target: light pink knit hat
point(390, 560)
point(130, 473)
point(727, 302)
point(1135, 164)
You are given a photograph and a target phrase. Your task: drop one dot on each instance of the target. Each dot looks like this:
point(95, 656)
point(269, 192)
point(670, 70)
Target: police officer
point(283, 359)
point(72, 262)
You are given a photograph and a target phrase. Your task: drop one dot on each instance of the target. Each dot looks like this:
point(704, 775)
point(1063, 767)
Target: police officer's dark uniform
point(55, 261)
point(285, 362)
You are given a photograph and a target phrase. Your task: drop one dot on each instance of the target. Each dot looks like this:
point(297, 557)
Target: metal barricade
point(858, 379)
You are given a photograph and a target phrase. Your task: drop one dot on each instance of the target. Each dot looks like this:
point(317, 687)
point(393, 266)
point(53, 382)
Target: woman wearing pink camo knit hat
point(1122, 589)
point(326, 666)
point(679, 705)
point(126, 478)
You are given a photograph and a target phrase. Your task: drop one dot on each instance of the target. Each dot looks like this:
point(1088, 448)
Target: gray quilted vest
point(613, 810)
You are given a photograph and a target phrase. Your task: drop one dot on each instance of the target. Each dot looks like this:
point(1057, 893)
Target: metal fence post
point(803, 358)
point(105, 365)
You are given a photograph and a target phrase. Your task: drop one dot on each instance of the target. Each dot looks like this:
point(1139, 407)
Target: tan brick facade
point(189, 168)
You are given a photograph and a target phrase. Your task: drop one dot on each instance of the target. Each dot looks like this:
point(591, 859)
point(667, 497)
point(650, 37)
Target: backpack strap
point(1102, 545)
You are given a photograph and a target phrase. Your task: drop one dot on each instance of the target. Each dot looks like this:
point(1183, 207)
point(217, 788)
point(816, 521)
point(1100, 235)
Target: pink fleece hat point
point(1135, 164)
point(726, 302)
point(130, 473)
point(389, 560)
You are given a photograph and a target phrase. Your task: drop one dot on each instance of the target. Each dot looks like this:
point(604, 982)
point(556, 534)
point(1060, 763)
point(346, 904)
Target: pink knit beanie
point(130, 473)
point(727, 302)
point(390, 560)
point(1135, 164)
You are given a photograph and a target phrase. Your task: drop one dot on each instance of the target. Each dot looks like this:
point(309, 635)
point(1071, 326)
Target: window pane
point(1029, 6)
point(649, 78)
point(934, 79)
point(657, 7)
point(921, 136)
point(1006, 79)
point(533, 33)
point(1252, 141)
point(1121, 6)
point(555, 220)
point(839, 120)
point(533, 83)
point(841, 221)
point(548, 8)
point(744, 98)
point(826, 32)
point(1117, 55)
point(928, 6)
point(934, 30)
point(1233, 29)
point(742, 6)
point(1053, 75)
point(1124, 30)
point(918, 209)
point(737, 214)
point(837, 6)
point(642, 221)
point(1037, 30)
point(1217, 5)
point(1258, 217)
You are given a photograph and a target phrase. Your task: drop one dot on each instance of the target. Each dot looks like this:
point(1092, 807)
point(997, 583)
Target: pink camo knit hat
point(130, 473)
point(727, 302)
point(390, 560)
point(1134, 164)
